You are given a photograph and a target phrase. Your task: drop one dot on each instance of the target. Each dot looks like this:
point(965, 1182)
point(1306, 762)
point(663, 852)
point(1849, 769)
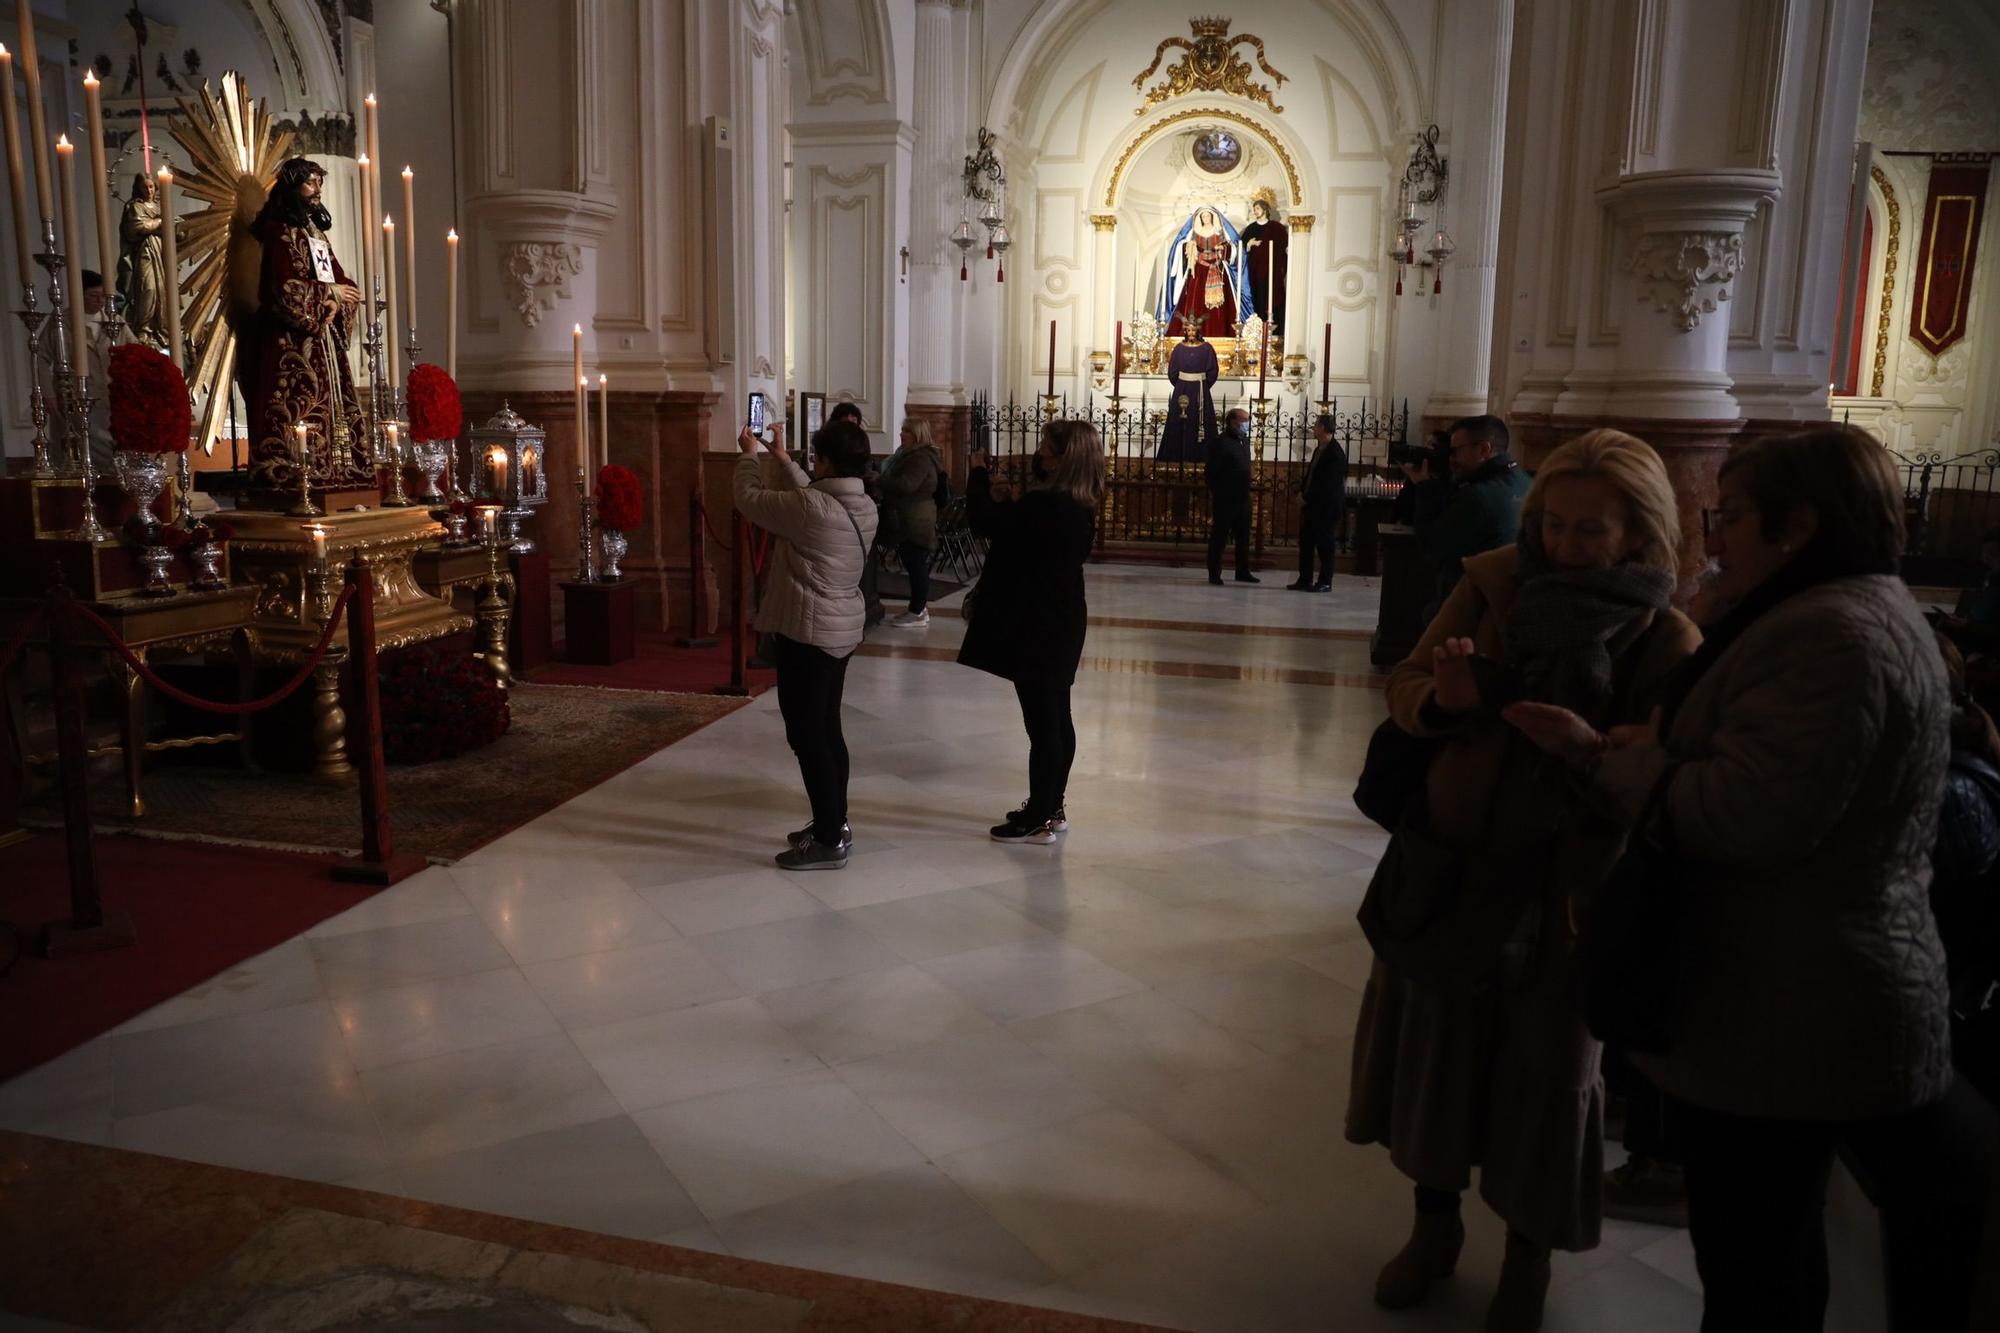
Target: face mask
point(1241, 430)
point(1042, 469)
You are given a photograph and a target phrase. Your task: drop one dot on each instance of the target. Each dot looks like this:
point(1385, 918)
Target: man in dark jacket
point(1482, 508)
point(1319, 521)
point(1228, 472)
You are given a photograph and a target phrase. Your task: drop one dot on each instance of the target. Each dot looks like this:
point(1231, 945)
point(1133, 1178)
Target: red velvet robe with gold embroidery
point(296, 369)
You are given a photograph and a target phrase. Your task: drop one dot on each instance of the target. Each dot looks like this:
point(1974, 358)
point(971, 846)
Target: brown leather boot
point(1427, 1259)
point(1524, 1285)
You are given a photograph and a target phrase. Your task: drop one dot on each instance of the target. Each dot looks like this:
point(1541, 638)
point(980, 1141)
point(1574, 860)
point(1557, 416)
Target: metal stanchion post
point(379, 863)
point(91, 928)
point(697, 635)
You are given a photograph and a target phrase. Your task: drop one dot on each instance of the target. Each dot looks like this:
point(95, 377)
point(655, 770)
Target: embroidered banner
point(1942, 297)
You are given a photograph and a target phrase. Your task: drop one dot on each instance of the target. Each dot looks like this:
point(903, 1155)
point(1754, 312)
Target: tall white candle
point(17, 184)
point(451, 303)
point(170, 254)
point(100, 182)
point(604, 416)
point(365, 166)
point(389, 316)
point(409, 249)
point(79, 327)
point(372, 238)
point(585, 450)
point(38, 130)
point(581, 425)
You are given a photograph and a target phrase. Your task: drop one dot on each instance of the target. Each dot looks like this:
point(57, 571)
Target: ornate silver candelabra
point(32, 317)
point(586, 547)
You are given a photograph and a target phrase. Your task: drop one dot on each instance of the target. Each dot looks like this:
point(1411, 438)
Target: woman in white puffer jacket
point(825, 527)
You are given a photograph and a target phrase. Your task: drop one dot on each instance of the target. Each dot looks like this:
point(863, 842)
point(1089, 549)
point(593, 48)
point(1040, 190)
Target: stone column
point(1303, 333)
point(1474, 123)
point(937, 380)
point(1673, 256)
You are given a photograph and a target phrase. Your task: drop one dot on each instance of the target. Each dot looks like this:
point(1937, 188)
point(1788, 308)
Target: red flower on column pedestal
point(150, 413)
point(621, 500)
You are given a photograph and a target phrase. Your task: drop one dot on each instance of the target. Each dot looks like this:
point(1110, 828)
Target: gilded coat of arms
point(1209, 65)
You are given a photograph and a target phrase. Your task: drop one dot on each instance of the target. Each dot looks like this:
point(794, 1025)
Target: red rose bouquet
point(149, 401)
point(435, 410)
point(438, 702)
point(621, 503)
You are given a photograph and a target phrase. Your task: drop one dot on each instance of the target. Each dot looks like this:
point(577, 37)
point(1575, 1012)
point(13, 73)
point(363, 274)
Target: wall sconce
point(1423, 185)
point(985, 181)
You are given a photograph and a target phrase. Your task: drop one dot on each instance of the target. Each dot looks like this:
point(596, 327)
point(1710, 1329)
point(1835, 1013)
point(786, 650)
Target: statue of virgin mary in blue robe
point(1207, 278)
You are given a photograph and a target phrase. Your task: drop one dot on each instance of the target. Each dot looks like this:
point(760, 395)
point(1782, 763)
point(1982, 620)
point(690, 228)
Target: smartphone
point(1499, 684)
point(758, 414)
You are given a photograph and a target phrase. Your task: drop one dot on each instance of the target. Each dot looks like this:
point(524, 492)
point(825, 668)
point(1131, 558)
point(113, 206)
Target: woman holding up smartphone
point(1480, 1060)
point(1025, 621)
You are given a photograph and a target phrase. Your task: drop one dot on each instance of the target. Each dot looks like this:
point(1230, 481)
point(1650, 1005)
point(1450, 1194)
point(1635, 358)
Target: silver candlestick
point(32, 317)
point(78, 437)
point(586, 554)
point(51, 260)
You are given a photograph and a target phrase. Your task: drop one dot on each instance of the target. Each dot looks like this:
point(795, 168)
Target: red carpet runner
point(199, 910)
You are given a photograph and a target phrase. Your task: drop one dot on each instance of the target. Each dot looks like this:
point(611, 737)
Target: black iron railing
point(1949, 501)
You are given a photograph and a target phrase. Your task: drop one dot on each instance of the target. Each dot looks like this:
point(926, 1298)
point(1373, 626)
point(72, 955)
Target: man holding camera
point(1228, 474)
point(1477, 508)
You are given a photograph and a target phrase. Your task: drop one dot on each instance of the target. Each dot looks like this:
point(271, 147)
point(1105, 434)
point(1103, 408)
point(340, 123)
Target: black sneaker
point(1059, 821)
point(805, 835)
point(1216, 579)
point(1323, 587)
point(1299, 585)
point(1245, 578)
point(814, 856)
point(1019, 830)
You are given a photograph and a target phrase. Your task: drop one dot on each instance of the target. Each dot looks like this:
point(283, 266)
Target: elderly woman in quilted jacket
point(1803, 752)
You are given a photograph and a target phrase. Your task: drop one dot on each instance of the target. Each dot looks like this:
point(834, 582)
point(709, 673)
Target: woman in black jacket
point(1025, 620)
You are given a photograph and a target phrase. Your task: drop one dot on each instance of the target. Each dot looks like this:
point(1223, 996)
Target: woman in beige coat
point(1496, 1070)
point(1803, 756)
point(825, 527)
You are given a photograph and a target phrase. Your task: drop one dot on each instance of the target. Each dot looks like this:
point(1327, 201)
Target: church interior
point(399, 695)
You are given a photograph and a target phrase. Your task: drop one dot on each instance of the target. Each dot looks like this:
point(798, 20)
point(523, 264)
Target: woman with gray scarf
point(1485, 1063)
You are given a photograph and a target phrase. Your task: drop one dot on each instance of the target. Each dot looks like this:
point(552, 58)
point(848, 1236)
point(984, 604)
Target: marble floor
point(1105, 1076)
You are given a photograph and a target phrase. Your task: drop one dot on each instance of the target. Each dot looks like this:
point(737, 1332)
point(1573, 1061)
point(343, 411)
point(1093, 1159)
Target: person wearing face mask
point(1797, 767)
point(1228, 474)
point(1025, 620)
point(1474, 1056)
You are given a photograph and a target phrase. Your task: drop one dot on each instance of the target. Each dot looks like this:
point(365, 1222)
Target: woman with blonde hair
point(1025, 621)
point(1467, 1052)
point(909, 485)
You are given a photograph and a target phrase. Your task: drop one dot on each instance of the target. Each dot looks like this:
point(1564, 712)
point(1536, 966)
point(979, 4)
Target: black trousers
point(917, 564)
point(1317, 531)
point(1757, 1202)
point(810, 681)
point(1229, 518)
point(1051, 746)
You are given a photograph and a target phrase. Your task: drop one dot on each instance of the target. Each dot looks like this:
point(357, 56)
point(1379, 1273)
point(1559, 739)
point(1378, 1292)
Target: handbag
point(1393, 773)
point(1456, 918)
point(1626, 968)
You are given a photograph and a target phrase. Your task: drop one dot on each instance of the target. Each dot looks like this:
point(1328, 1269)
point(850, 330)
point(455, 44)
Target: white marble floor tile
point(469, 1099)
point(75, 1087)
point(194, 1062)
point(1026, 978)
point(1276, 1004)
point(396, 955)
point(746, 1149)
point(912, 1226)
point(600, 1175)
point(783, 954)
point(872, 1013)
point(967, 1091)
point(429, 895)
point(317, 1130)
point(588, 990)
point(727, 902)
point(1103, 1184)
point(957, 921)
point(536, 932)
point(1135, 1048)
point(689, 1052)
point(425, 1018)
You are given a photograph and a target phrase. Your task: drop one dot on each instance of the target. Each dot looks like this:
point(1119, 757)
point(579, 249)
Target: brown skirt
point(1506, 1082)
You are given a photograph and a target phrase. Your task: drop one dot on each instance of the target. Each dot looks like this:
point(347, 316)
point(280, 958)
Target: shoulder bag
point(1626, 969)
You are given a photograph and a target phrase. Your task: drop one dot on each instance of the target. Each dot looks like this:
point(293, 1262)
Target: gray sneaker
point(813, 856)
point(805, 835)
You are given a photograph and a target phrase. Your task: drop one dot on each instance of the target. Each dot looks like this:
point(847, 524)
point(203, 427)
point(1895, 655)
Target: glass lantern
point(508, 455)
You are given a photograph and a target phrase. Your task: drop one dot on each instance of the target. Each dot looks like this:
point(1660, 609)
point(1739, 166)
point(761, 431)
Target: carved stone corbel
point(537, 273)
point(1687, 273)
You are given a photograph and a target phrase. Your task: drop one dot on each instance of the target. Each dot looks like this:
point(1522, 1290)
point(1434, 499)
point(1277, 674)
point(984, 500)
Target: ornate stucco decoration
point(1892, 248)
point(537, 272)
point(1686, 273)
point(1215, 113)
point(1104, 221)
point(1210, 65)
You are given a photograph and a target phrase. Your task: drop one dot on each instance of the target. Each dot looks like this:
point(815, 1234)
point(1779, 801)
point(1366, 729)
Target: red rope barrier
point(27, 627)
point(145, 672)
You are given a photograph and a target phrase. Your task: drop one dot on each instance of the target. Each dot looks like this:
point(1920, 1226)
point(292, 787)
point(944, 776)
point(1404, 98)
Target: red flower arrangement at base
point(435, 410)
point(621, 501)
point(438, 702)
point(150, 413)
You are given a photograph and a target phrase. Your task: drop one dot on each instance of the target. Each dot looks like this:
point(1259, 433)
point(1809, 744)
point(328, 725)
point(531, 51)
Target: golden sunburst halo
point(233, 154)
